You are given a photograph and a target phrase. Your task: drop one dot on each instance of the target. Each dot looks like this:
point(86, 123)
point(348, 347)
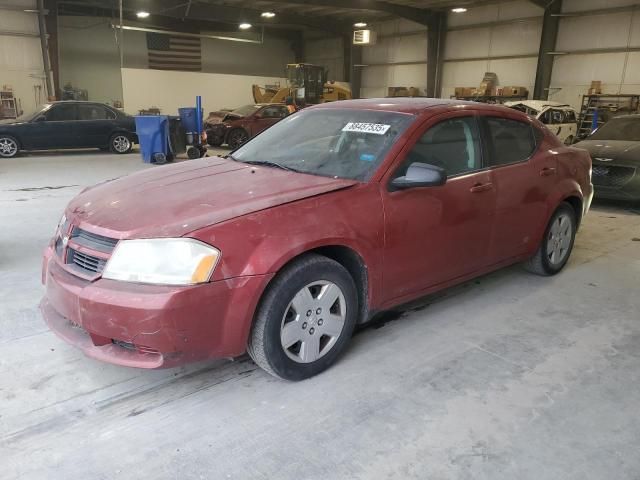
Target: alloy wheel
point(313, 321)
point(8, 147)
point(121, 144)
point(559, 239)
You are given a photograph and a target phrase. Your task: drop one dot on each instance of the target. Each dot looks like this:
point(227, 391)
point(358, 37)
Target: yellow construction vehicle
point(307, 84)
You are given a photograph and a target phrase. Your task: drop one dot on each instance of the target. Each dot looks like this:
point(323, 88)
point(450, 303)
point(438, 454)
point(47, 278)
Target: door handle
point(481, 187)
point(546, 171)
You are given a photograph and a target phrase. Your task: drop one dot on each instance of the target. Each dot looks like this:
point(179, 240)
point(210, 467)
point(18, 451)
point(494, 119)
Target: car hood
point(618, 151)
point(174, 200)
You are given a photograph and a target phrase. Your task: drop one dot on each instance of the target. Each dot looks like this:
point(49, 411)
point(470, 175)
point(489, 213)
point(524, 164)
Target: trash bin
point(153, 137)
point(177, 136)
point(189, 119)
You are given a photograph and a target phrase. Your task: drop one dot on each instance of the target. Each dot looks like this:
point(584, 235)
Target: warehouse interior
point(500, 376)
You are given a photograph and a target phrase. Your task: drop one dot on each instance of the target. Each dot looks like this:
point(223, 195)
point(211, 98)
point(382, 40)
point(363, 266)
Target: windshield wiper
point(269, 163)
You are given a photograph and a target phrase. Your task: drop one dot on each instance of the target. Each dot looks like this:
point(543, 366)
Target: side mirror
point(258, 116)
point(420, 175)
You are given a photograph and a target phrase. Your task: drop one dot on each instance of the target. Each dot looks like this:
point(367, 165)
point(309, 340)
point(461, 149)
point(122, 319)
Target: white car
point(560, 118)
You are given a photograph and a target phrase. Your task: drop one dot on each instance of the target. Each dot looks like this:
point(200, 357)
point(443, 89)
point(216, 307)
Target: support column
point(297, 45)
point(436, 34)
point(547, 44)
point(352, 57)
point(51, 22)
point(45, 49)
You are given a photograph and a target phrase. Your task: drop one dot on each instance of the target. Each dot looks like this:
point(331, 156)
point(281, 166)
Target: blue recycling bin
point(153, 136)
point(189, 119)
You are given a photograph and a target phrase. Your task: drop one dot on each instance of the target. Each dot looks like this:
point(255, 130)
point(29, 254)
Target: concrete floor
point(511, 376)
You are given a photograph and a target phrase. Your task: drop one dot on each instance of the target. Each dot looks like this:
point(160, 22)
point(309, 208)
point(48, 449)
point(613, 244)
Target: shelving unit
point(608, 106)
point(492, 98)
point(8, 105)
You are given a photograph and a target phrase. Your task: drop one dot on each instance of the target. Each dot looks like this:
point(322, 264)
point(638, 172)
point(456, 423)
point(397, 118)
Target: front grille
point(611, 175)
point(93, 241)
point(86, 263)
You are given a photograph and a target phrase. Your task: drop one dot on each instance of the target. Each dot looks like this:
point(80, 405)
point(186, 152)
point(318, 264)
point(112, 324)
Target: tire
point(193, 153)
point(237, 137)
point(214, 141)
point(314, 342)
point(120, 143)
point(9, 146)
point(556, 245)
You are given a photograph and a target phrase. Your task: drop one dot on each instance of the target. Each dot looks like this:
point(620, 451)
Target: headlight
point(166, 261)
point(61, 223)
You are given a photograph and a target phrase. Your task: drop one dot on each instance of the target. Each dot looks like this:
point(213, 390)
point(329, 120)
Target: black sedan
point(68, 124)
point(615, 152)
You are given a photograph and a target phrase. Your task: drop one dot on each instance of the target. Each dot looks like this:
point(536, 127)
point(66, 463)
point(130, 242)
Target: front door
point(267, 117)
point(436, 234)
point(524, 176)
point(56, 129)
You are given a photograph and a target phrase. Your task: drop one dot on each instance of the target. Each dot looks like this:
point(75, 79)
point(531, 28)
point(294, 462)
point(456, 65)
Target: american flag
point(174, 52)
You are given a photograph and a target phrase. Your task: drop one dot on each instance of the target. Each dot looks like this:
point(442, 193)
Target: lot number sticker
point(375, 128)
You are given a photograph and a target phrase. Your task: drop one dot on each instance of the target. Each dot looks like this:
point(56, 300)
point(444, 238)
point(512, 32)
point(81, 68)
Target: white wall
point(402, 43)
point(519, 38)
point(168, 91)
point(90, 59)
point(21, 56)
point(619, 71)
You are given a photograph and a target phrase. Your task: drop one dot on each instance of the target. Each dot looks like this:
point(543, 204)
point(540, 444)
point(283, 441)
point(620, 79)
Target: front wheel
point(120, 143)
point(305, 320)
point(237, 137)
point(557, 243)
point(8, 146)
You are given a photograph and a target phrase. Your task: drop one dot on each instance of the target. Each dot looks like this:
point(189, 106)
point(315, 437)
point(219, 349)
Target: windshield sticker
point(367, 157)
point(375, 128)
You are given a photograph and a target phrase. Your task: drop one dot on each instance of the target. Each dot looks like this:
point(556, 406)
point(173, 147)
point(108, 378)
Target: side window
point(270, 112)
point(513, 141)
point(546, 117)
point(282, 112)
point(569, 116)
point(557, 117)
point(61, 113)
point(94, 112)
point(452, 144)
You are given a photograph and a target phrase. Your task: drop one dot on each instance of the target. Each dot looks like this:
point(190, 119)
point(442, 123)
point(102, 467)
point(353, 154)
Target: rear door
point(56, 130)
point(524, 177)
point(94, 126)
point(436, 234)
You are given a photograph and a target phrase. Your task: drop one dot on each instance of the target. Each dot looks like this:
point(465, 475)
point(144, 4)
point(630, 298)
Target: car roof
point(538, 104)
point(412, 105)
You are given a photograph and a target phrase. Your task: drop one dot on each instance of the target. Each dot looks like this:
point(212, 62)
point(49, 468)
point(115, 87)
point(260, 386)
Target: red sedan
point(333, 214)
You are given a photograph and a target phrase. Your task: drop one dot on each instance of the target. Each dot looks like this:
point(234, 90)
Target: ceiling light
point(267, 14)
point(360, 25)
point(142, 14)
point(244, 26)
point(459, 10)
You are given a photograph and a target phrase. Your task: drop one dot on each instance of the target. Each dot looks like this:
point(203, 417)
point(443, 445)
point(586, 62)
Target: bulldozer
point(307, 84)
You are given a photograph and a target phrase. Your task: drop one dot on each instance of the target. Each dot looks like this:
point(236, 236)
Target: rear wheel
point(237, 137)
point(305, 319)
point(9, 147)
point(120, 143)
point(557, 243)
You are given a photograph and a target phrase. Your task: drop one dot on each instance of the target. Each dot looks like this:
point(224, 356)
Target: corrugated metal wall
point(20, 54)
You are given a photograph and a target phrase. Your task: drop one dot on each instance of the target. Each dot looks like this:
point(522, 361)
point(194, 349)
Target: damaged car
point(282, 247)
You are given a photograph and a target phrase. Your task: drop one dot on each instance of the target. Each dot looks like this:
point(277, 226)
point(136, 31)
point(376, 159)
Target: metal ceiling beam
point(418, 15)
point(232, 15)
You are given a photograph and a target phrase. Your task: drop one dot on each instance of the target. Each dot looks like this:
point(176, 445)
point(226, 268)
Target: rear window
point(513, 141)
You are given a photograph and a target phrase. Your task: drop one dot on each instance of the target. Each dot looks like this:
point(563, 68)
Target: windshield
point(343, 143)
point(245, 110)
point(619, 128)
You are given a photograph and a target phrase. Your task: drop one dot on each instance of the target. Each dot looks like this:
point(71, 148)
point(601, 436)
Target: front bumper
point(149, 326)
